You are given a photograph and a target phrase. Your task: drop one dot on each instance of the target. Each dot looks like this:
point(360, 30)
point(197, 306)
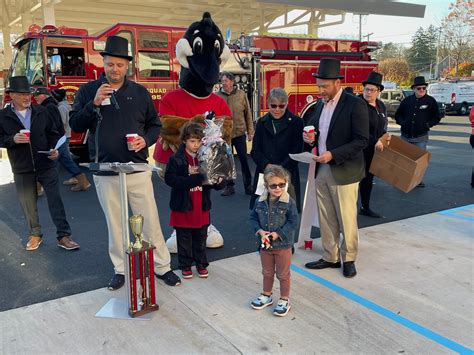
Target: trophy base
point(117, 308)
point(141, 312)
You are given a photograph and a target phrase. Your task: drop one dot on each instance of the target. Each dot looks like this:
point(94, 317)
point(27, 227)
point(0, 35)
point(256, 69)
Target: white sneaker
point(261, 302)
point(282, 308)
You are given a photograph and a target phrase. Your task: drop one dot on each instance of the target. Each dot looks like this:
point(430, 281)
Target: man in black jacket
point(25, 130)
point(342, 123)
point(417, 114)
point(124, 107)
point(44, 98)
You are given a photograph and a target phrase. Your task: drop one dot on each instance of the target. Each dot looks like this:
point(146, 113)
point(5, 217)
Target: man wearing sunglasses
point(417, 114)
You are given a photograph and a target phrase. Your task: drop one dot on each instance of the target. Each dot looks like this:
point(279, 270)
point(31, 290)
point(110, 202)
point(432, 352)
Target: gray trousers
point(26, 190)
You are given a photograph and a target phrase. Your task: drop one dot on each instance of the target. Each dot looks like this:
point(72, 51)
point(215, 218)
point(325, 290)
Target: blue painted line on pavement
point(454, 215)
point(450, 344)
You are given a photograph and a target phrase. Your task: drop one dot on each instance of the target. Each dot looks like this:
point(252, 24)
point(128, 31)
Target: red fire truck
point(68, 57)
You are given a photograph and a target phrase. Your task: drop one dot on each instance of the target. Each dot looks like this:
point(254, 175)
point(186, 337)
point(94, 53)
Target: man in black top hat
point(417, 114)
point(25, 130)
point(342, 123)
point(377, 128)
point(124, 107)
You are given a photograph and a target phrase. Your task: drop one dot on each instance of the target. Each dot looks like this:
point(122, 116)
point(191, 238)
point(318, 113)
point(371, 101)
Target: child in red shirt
point(190, 202)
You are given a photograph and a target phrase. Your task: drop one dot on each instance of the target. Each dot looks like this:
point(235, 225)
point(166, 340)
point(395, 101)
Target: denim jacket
point(282, 219)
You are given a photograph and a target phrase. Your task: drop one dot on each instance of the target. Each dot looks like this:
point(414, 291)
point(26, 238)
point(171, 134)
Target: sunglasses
point(279, 106)
point(274, 186)
point(420, 88)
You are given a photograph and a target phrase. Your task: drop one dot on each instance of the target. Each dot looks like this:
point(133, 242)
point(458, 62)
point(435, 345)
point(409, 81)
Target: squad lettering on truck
point(72, 58)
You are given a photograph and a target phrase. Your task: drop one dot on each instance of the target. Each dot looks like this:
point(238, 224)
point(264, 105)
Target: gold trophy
point(140, 256)
point(136, 223)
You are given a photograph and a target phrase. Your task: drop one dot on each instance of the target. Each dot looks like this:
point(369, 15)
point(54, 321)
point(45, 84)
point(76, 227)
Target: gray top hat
point(116, 47)
point(374, 78)
point(329, 68)
point(18, 84)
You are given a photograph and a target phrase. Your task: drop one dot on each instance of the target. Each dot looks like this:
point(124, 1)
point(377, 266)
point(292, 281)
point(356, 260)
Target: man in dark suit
point(342, 126)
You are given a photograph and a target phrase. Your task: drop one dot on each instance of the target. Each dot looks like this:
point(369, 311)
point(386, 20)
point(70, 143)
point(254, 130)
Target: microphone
point(113, 99)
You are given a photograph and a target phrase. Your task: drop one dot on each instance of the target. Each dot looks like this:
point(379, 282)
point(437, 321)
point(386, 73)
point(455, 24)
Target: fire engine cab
point(62, 57)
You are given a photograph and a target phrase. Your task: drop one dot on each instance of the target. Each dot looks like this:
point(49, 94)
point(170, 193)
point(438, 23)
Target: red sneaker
point(187, 273)
point(202, 271)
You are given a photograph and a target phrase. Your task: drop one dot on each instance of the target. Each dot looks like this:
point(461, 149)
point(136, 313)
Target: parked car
point(392, 98)
point(457, 96)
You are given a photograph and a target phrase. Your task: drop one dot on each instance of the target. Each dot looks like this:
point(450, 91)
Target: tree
point(389, 51)
point(422, 54)
point(457, 31)
point(396, 70)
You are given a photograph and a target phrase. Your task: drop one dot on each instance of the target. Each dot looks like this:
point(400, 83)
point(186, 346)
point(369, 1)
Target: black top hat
point(41, 91)
point(419, 80)
point(59, 94)
point(329, 68)
point(18, 84)
point(374, 78)
point(116, 47)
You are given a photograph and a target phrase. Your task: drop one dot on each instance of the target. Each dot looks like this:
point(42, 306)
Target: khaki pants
point(142, 201)
point(337, 213)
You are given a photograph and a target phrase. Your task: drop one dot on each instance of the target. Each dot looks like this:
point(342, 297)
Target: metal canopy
point(239, 16)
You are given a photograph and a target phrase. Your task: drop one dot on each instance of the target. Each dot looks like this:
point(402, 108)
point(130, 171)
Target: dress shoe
point(322, 264)
point(71, 181)
point(33, 242)
point(116, 282)
point(67, 243)
point(421, 184)
point(369, 213)
point(229, 190)
point(349, 269)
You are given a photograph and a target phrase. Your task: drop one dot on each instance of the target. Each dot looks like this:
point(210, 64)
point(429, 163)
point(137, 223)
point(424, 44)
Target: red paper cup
point(309, 129)
point(26, 132)
point(308, 244)
point(130, 139)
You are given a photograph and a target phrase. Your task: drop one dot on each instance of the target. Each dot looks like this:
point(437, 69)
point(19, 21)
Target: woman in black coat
point(278, 133)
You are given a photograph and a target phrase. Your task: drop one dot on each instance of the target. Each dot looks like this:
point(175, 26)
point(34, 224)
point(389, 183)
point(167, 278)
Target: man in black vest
point(342, 123)
point(25, 130)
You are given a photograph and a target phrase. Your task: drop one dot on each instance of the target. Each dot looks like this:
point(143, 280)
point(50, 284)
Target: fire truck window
point(35, 64)
point(128, 36)
point(153, 40)
point(72, 60)
point(154, 64)
point(384, 96)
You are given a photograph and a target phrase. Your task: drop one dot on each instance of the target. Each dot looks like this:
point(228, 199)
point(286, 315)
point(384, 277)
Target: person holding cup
point(25, 130)
point(129, 125)
point(342, 123)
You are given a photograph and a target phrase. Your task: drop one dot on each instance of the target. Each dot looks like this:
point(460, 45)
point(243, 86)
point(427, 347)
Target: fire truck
point(62, 57)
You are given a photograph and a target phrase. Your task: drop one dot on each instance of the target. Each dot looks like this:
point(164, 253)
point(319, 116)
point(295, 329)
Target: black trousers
point(240, 144)
point(365, 186)
point(191, 246)
point(471, 140)
point(26, 191)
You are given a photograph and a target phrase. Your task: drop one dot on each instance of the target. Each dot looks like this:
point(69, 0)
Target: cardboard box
point(400, 164)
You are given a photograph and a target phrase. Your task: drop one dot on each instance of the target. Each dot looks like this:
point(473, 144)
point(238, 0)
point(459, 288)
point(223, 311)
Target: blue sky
point(390, 28)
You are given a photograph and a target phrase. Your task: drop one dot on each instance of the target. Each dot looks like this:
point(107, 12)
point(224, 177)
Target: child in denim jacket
point(274, 220)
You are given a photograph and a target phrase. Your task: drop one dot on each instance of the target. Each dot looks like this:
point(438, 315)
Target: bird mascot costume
point(201, 53)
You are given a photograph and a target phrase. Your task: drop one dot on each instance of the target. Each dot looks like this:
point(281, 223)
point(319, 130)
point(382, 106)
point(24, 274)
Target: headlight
point(237, 79)
point(244, 79)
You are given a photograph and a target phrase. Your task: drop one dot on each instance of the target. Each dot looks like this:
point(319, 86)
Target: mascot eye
point(197, 45)
point(217, 47)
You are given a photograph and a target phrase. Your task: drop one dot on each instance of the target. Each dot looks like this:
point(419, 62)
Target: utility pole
point(368, 36)
point(436, 71)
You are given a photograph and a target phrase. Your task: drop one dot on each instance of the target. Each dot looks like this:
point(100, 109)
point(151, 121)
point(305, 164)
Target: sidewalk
point(413, 294)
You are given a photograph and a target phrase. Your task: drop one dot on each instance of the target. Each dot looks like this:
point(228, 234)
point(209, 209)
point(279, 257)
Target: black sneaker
point(170, 278)
point(116, 282)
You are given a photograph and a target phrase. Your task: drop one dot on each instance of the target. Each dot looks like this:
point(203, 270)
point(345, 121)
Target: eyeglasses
point(370, 90)
point(282, 106)
point(420, 88)
point(274, 186)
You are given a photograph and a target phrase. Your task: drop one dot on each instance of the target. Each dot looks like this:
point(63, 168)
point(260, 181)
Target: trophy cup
point(142, 297)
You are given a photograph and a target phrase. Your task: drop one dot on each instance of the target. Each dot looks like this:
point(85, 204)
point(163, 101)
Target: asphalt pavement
point(50, 272)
